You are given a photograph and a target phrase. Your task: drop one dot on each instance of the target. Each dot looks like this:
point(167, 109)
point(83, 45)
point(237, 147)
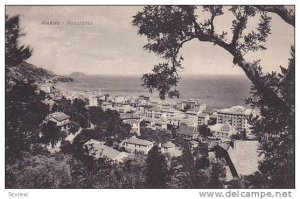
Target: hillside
point(26, 72)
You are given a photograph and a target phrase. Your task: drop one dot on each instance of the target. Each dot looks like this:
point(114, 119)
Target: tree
point(51, 134)
point(39, 171)
point(204, 131)
point(134, 172)
point(168, 28)
point(275, 127)
point(15, 53)
point(24, 112)
point(156, 172)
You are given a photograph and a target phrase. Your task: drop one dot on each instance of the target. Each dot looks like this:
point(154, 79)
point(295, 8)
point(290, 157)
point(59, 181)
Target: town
point(219, 133)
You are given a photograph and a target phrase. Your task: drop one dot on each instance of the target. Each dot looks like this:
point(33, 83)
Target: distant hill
point(77, 75)
point(26, 72)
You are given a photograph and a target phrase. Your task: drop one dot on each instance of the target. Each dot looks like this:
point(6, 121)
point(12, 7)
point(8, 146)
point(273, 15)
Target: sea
point(214, 90)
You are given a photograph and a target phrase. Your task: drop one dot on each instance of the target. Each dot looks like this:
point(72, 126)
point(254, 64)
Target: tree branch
point(287, 16)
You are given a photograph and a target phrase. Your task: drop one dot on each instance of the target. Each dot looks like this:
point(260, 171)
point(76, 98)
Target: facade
point(203, 119)
point(134, 144)
point(222, 130)
point(106, 105)
point(162, 125)
point(93, 101)
point(236, 116)
point(62, 120)
point(167, 147)
point(119, 99)
point(97, 149)
point(191, 119)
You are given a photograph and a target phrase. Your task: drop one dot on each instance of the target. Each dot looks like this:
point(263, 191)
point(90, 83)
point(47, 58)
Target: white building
point(93, 101)
point(47, 88)
point(62, 120)
point(106, 105)
point(119, 99)
point(191, 119)
point(236, 116)
point(222, 130)
point(134, 144)
point(97, 149)
point(171, 149)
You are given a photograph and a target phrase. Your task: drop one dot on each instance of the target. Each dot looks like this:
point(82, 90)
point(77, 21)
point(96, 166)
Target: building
point(190, 103)
point(149, 123)
point(203, 119)
point(236, 116)
point(161, 125)
point(119, 99)
point(224, 131)
point(154, 112)
point(106, 105)
point(187, 132)
point(47, 88)
point(134, 144)
point(135, 125)
point(97, 149)
point(241, 157)
point(191, 119)
point(62, 120)
point(171, 149)
point(93, 101)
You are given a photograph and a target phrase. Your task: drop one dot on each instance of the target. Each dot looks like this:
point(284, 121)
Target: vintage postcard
point(150, 97)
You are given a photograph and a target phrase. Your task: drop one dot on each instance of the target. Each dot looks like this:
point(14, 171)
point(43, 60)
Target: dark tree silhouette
point(15, 53)
point(156, 172)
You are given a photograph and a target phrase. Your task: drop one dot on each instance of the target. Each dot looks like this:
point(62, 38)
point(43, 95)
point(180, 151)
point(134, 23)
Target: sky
point(110, 44)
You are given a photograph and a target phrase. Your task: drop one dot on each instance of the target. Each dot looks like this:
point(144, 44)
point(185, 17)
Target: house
point(188, 132)
point(241, 157)
point(203, 119)
point(93, 101)
point(162, 125)
point(134, 144)
point(119, 99)
point(97, 149)
point(171, 149)
point(149, 123)
point(135, 125)
point(106, 105)
point(47, 88)
point(191, 119)
point(222, 130)
point(61, 119)
point(220, 151)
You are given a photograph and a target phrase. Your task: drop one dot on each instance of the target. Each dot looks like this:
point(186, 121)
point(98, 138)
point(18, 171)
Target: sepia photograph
point(150, 97)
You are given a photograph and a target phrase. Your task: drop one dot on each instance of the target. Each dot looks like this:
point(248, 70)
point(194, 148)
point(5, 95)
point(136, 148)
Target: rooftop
point(186, 130)
point(131, 121)
point(102, 150)
point(240, 110)
point(221, 127)
point(134, 140)
point(168, 145)
point(59, 116)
